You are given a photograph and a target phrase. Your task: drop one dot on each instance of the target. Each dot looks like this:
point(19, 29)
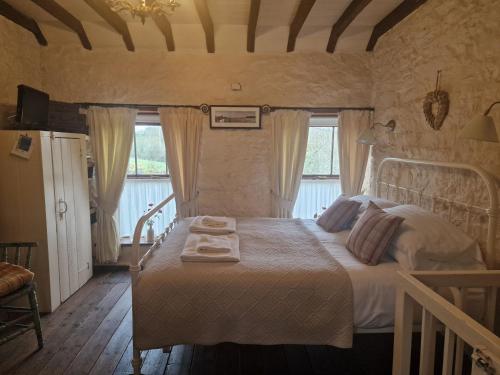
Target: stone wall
point(19, 63)
point(461, 38)
point(234, 170)
point(19, 60)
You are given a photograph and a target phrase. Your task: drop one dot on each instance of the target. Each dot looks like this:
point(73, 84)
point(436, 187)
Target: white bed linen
point(374, 287)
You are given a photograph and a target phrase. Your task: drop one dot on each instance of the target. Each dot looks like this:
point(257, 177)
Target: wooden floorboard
point(91, 334)
point(56, 328)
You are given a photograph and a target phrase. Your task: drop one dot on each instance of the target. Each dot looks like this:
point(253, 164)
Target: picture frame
point(235, 117)
point(23, 146)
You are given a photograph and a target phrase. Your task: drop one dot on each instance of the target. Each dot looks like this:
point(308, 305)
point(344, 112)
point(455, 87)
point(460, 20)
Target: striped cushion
point(339, 215)
point(370, 237)
point(13, 277)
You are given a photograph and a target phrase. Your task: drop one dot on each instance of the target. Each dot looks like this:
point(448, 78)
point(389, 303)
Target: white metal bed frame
point(492, 212)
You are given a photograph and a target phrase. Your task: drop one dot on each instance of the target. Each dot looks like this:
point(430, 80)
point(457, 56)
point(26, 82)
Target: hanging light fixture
point(144, 8)
point(481, 128)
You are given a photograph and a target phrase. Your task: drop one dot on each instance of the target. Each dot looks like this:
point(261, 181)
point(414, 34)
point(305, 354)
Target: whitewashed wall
point(234, 170)
point(19, 63)
point(19, 60)
point(461, 38)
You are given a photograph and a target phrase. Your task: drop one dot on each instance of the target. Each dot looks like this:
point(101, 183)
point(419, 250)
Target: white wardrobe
point(45, 198)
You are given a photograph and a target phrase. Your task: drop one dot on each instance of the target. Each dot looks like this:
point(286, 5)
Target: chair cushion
point(13, 278)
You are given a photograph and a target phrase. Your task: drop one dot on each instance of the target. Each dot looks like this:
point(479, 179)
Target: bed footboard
point(459, 328)
point(138, 262)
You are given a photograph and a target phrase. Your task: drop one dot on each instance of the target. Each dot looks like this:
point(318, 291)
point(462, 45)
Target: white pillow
point(425, 241)
point(365, 200)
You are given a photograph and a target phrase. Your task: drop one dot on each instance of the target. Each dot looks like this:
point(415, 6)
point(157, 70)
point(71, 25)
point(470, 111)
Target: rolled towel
point(213, 244)
point(197, 225)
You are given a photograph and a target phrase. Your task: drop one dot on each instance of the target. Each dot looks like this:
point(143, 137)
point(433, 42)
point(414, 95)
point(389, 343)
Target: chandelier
point(144, 8)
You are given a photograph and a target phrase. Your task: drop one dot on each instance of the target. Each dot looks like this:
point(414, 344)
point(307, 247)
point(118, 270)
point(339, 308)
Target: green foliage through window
point(148, 156)
point(322, 155)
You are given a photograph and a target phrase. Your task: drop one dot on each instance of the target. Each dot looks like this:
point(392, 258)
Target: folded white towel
point(191, 254)
point(199, 225)
point(213, 244)
point(210, 221)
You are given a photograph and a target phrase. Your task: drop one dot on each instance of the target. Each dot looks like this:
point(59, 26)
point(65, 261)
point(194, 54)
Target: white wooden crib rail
point(137, 261)
point(415, 290)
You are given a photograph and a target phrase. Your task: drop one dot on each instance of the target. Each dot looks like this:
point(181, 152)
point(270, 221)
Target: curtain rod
point(271, 108)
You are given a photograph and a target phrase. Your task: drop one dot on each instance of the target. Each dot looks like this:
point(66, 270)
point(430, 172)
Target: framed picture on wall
point(232, 117)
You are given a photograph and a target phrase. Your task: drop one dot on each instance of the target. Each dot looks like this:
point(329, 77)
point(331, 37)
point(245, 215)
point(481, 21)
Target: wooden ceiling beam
point(61, 14)
point(351, 12)
point(164, 26)
point(252, 24)
point(207, 23)
point(303, 10)
point(26, 22)
point(392, 19)
point(114, 20)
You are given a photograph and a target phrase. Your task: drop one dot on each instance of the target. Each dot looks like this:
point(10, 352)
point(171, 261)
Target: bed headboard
point(417, 195)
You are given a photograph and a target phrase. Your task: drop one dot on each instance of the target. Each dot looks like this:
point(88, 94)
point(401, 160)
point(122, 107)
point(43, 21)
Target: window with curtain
point(147, 180)
point(320, 184)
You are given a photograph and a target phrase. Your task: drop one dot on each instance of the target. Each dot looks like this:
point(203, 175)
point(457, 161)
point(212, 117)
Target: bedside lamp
point(481, 128)
point(367, 137)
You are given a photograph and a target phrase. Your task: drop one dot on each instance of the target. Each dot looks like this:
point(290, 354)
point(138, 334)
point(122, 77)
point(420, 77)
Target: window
point(320, 184)
point(147, 177)
point(148, 156)
point(322, 155)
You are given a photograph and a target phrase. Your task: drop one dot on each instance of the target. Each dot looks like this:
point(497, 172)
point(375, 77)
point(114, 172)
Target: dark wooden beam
point(252, 24)
point(163, 24)
point(206, 21)
point(28, 23)
point(114, 20)
point(303, 10)
point(392, 19)
point(351, 12)
point(58, 12)
point(166, 29)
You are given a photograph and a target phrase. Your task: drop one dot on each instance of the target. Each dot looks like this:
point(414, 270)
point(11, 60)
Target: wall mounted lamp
point(481, 128)
point(367, 137)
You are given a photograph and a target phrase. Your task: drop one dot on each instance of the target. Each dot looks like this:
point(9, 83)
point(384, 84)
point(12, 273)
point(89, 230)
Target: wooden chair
point(16, 281)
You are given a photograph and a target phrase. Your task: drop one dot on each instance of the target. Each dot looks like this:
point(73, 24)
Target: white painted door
point(82, 214)
point(61, 210)
point(70, 147)
point(64, 151)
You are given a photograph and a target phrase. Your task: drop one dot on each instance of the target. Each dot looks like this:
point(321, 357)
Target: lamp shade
point(367, 137)
point(481, 128)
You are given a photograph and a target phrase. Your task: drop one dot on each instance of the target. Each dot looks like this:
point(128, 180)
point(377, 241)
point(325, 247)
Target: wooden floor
point(91, 334)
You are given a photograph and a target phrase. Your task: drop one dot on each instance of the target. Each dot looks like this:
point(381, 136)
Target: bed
point(166, 311)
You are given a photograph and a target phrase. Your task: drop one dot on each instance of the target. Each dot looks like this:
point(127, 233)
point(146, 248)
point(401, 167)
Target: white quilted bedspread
point(287, 289)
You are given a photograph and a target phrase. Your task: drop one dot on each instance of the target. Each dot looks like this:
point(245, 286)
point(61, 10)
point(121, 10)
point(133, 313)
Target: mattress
point(374, 287)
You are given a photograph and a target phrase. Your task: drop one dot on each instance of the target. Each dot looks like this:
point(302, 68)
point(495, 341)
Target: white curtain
point(182, 132)
point(290, 130)
point(353, 156)
point(111, 134)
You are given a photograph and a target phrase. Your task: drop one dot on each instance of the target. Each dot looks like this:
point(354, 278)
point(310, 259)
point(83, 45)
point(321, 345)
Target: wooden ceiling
point(215, 25)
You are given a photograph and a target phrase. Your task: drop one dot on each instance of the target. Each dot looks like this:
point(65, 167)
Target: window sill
point(127, 242)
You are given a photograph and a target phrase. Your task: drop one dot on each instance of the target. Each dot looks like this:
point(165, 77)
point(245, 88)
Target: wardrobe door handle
point(65, 205)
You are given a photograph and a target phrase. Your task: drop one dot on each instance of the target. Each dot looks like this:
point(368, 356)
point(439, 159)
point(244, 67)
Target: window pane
point(335, 160)
point(319, 151)
point(150, 150)
point(131, 160)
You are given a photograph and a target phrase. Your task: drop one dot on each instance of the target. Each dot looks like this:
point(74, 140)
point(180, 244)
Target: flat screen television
point(32, 108)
